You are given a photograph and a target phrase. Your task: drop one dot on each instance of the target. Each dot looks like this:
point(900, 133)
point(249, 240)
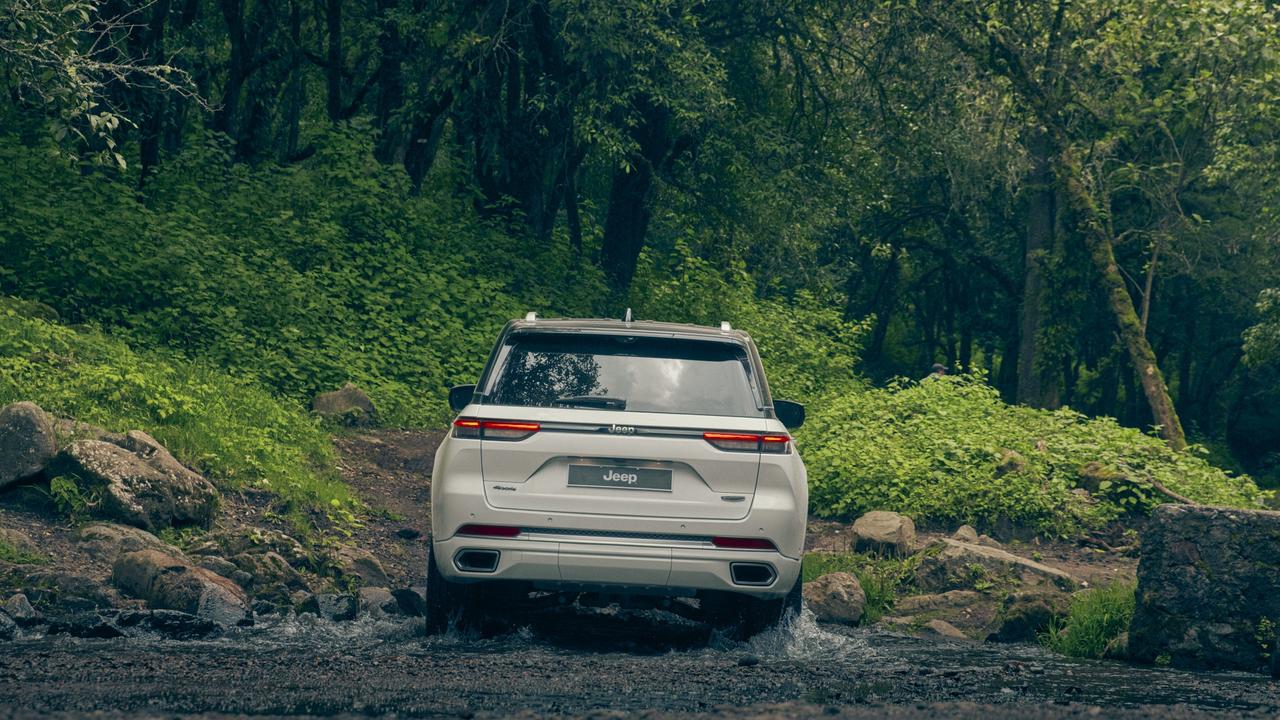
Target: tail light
point(503, 531)
point(749, 442)
point(739, 543)
point(493, 429)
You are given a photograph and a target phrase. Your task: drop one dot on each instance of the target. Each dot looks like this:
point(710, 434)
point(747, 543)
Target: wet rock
point(267, 569)
point(1207, 582)
point(171, 582)
point(84, 625)
point(836, 598)
point(360, 563)
point(105, 541)
point(217, 564)
point(172, 624)
point(942, 628)
point(69, 591)
point(966, 533)
point(19, 608)
point(377, 601)
point(408, 533)
point(617, 628)
point(884, 532)
point(952, 564)
point(1027, 614)
point(349, 406)
point(255, 540)
point(140, 482)
point(331, 606)
point(412, 600)
point(8, 628)
point(1117, 648)
point(27, 442)
point(748, 661)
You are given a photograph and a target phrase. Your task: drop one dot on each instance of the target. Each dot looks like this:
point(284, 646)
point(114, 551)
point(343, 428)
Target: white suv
point(619, 458)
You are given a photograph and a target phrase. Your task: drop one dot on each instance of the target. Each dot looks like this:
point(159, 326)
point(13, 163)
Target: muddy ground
point(382, 668)
point(599, 666)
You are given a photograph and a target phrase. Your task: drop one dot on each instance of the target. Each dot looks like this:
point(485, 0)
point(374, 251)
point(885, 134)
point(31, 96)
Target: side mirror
point(460, 396)
point(790, 413)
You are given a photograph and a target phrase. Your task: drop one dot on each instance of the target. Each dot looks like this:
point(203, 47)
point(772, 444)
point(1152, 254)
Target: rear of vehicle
point(639, 459)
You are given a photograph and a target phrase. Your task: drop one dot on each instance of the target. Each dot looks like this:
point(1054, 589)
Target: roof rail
point(531, 317)
point(725, 326)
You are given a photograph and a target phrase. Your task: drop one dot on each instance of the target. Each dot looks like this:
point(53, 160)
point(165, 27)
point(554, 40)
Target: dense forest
point(1068, 204)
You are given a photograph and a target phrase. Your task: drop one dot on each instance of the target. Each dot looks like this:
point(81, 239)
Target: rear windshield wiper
point(599, 401)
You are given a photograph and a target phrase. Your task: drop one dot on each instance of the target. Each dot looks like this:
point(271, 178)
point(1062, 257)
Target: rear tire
point(744, 617)
point(445, 600)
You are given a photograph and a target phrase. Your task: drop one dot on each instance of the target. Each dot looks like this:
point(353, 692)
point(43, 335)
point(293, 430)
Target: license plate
point(620, 476)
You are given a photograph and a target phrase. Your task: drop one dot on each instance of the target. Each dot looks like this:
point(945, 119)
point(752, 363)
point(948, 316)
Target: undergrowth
point(1096, 618)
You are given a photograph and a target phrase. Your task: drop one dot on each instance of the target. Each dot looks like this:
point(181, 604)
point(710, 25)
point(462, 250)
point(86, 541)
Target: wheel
point(445, 600)
point(744, 616)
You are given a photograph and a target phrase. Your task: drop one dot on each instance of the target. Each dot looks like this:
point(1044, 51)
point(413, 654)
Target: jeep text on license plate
point(619, 476)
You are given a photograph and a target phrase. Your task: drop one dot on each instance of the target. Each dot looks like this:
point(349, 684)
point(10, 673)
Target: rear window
point(625, 373)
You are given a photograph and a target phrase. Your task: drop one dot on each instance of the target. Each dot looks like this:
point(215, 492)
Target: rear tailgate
point(622, 462)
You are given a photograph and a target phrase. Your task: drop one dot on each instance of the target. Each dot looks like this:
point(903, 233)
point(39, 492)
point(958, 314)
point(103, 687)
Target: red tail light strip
point(493, 429)
point(749, 442)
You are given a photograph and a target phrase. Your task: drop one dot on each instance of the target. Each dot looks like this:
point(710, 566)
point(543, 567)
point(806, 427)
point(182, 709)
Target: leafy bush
point(227, 427)
point(949, 449)
point(1097, 617)
point(301, 277)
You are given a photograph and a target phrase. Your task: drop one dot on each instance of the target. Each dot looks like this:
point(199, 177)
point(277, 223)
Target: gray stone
point(27, 442)
point(361, 564)
point(141, 483)
point(171, 582)
point(268, 568)
point(1209, 578)
point(966, 533)
point(951, 564)
point(70, 591)
point(105, 541)
point(947, 601)
point(220, 565)
point(349, 406)
point(942, 628)
point(1025, 615)
point(413, 600)
point(884, 532)
point(332, 607)
point(378, 602)
point(8, 628)
point(19, 608)
point(836, 598)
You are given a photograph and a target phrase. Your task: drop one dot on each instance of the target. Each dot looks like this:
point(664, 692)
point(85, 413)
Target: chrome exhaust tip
point(476, 561)
point(752, 574)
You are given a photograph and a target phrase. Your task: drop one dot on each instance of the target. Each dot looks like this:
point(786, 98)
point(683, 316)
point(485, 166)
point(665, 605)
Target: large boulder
point(951, 564)
point(836, 598)
point(1026, 614)
point(105, 541)
point(170, 582)
point(141, 484)
point(349, 406)
point(884, 532)
point(27, 442)
point(1208, 587)
point(361, 565)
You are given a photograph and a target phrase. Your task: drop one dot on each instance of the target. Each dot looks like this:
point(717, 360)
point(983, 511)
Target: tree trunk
point(1035, 387)
point(626, 223)
point(391, 145)
point(334, 59)
point(1101, 252)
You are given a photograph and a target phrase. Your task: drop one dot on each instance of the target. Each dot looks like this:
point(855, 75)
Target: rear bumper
point(624, 565)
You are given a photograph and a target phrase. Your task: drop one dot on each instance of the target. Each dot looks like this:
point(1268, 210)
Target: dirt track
point(380, 668)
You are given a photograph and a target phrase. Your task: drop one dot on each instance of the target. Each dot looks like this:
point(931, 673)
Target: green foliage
point(1262, 341)
point(1096, 618)
point(939, 450)
point(10, 553)
point(71, 499)
point(881, 578)
point(225, 426)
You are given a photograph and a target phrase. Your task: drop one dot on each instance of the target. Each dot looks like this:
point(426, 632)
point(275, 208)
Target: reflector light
point(505, 531)
point(735, 543)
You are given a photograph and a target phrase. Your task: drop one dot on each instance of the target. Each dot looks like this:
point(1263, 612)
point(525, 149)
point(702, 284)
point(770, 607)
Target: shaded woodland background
point(1072, 202)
